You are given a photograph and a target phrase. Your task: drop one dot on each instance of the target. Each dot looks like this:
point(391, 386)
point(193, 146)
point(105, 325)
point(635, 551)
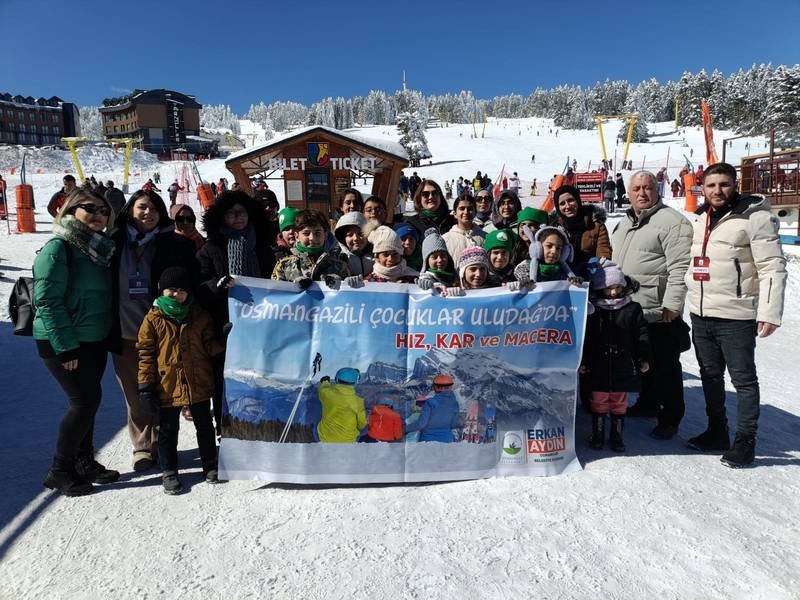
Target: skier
point(385, 425)
point(439, 414)
point(343, 412)
point(173, 190)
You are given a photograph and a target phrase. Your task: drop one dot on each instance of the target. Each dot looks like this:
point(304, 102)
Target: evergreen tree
point(783, 105)
point(412, 136)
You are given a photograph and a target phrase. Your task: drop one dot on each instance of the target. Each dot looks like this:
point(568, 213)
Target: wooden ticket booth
point(319, 163)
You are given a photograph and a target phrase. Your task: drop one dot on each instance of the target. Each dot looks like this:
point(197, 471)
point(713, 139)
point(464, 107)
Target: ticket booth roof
point(253, 159)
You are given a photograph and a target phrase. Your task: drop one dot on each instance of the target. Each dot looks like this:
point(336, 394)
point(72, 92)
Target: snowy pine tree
point(91, 123)
point(783, 105)
point(640, 133)
point(219, 116)
point(412, 137)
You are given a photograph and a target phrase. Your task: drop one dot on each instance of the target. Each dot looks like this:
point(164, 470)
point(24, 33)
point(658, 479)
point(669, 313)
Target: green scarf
point(447, 276)
point(313, 251)
point(549, 271)
point(414, 261)
point(174, 309)
point(94, 244)
point(435, 215)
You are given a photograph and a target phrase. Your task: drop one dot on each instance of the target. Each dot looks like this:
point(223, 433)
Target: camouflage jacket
point(300, 265)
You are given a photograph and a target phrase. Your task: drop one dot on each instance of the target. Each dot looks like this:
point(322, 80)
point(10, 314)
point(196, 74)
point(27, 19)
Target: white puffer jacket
point(747, 270)
point(653, 249)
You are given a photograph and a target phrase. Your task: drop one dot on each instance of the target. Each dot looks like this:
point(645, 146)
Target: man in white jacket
point(736, 283)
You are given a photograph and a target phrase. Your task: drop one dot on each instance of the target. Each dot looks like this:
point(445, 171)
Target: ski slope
point(660, 521)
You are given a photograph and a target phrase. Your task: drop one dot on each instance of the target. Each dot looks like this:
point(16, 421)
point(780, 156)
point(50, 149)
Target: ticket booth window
point(318, 190)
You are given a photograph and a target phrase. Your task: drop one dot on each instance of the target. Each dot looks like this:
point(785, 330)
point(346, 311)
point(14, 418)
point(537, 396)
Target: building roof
point(384, 146)
point(158, 96)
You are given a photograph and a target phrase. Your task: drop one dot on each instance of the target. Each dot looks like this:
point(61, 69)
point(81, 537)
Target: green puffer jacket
point(72, 296)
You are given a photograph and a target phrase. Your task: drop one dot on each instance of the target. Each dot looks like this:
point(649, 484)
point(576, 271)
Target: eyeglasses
point(235, 214)
point(429, 194)
point(186, 219)
point(94, 208)
point(482, 198)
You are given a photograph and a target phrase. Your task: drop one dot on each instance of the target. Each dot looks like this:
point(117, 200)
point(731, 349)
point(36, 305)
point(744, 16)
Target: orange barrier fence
point(26, 223)
point(205, 195)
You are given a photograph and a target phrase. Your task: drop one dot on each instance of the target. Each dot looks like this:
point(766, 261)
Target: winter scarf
point(448, 277)
point(174, 310)
point(437, 216)
point(611, 303)
point(394, 273)
point(548, 272)
point(313, 251)
point(242, 259)
point(94, 244)
point(139, 239)
point(414, 260)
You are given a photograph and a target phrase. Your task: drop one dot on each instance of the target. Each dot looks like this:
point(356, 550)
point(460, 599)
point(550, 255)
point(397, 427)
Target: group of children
point(616, 348)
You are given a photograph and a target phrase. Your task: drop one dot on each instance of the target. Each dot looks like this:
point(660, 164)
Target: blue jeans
point(724, 342)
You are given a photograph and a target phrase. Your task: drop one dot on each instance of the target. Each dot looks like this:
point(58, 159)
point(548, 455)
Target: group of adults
point(97, 278)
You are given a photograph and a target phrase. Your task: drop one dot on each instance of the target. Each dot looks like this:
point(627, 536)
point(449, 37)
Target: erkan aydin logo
point(512, 443)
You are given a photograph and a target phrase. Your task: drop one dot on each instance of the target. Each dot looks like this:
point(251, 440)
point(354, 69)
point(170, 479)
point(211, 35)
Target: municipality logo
point(512, 443)
point(318, 154)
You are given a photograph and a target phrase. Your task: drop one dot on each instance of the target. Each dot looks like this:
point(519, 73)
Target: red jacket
point(385, 425)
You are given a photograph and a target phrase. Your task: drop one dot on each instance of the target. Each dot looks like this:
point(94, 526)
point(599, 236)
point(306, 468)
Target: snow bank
point(94, 159)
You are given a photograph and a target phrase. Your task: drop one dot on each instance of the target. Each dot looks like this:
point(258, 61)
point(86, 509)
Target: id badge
point(700, 268)
point(138, 288)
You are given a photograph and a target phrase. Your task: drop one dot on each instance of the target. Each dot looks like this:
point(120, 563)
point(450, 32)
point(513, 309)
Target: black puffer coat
point(213, 256)
point(616, 344)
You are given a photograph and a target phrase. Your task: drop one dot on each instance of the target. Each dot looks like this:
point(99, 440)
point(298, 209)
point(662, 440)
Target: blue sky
point(238, 53)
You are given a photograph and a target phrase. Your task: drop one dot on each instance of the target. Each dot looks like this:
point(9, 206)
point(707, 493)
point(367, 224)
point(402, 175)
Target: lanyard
point(707, 232)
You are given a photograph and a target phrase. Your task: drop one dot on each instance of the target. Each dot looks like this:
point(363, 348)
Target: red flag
point(498, 183)
point(708, 130)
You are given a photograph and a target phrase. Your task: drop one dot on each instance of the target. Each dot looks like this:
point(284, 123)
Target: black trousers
point(662, 385)
point(218, 363)
point(84, 392)
point(168, 436)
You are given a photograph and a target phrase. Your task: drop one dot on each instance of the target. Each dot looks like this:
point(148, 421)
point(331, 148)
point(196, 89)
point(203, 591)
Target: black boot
point(172, 485)
point(615, 436)
point(714, 438)
point(742, 453)
point(62, 477)
point(598, 431)
point(91, 470)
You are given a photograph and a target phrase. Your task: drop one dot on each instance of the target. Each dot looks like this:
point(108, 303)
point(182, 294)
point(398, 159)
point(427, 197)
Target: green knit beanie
point(532, 214)
point(286, 217)
point(500, 238)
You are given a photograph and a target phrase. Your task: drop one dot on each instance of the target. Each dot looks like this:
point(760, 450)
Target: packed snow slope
point(660, 521)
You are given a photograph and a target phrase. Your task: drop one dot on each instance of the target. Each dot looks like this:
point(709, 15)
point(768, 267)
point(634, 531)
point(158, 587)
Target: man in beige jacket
point(736, 283)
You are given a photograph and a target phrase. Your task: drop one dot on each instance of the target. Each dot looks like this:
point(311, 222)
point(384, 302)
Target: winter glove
point(223, 282)
point(303, 282)
point(574, 280)
point(523, 272)
point(354, 281)
point(454, 291)
point(424, 283)
point(324, 379)
point(148, 399)
point(334, 282)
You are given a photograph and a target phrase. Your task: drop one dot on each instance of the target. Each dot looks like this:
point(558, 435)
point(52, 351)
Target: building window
point(33, 128)
point(22, 126)
point(45, 129)
point(55, 118)
point(116, 129)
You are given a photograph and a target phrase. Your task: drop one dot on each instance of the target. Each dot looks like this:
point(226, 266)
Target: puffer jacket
point(343, 413)
point(457, 240)
point(176, 357)
point(747, 269)
point(439, 418)
point(72, 296)
point(654, 250)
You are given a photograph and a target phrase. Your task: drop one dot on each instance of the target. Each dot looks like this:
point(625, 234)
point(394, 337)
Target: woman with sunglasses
point(432, 209)
point(146, 244)
point(238, 245)
point(72, 295)
point(185, 224)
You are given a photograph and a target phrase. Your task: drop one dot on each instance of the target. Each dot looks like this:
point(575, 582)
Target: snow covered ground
point(660, 521)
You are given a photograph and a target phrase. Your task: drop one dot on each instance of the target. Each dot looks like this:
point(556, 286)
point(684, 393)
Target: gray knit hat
point(433, 242)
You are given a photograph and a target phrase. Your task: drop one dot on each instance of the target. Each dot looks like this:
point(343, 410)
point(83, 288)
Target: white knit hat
point(384, 239)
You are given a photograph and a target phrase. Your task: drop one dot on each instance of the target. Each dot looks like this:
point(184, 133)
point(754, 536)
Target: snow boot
point(714, 438)
point(615, 436)
point(172, 485)
point(742, 453)
point(598, 431)
point(212, 475)
point(62, 477)
point(91, 470)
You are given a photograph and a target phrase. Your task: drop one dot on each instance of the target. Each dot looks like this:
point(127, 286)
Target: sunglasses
point(429, 194)
point(186, 219)
point(482, 198)
point(94, 208)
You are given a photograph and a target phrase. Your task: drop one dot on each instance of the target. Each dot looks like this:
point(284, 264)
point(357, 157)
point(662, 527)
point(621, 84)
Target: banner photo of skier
point(391, 383)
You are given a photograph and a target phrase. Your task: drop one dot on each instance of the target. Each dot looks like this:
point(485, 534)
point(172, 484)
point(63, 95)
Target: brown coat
point(177, 357)
point(594, 240)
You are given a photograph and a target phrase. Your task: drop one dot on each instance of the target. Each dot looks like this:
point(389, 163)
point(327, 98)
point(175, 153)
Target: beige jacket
point(747, 270)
